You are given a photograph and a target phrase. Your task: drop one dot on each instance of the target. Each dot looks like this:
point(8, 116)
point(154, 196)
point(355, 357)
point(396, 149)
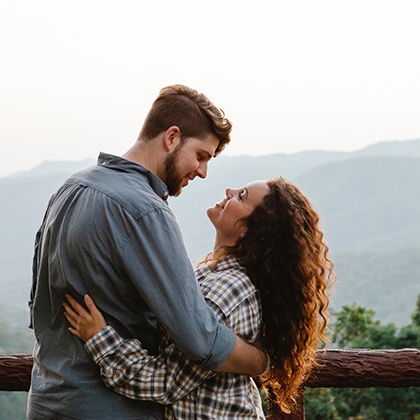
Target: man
point(108, 231)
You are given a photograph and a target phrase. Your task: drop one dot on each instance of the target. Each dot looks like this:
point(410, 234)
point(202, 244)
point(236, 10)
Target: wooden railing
point(336, 369)
point(360, 369)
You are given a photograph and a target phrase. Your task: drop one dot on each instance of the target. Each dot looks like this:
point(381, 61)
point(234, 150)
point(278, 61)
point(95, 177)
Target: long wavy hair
point(285, 256)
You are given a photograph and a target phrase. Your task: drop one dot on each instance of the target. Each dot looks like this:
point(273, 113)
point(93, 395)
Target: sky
point(79, 77)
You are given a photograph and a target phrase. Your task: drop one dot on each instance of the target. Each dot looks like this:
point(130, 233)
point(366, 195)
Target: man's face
point(188, 160)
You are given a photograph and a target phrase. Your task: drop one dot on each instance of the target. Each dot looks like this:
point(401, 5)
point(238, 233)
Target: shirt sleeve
point(156, 262)
point(127, 368)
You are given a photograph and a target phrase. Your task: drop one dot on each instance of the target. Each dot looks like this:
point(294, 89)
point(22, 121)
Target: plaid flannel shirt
point(170, 378)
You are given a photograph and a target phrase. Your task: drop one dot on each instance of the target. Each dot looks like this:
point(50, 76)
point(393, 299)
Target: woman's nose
point(229, 192)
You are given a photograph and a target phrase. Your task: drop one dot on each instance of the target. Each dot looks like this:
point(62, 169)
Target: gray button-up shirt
point(109, 232)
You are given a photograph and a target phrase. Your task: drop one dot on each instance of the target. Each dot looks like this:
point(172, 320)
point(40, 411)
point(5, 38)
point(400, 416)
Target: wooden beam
point(337, 369)
point(15, 372)
point(366, 368)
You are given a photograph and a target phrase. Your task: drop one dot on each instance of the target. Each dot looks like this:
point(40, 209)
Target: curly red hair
point(286, 258)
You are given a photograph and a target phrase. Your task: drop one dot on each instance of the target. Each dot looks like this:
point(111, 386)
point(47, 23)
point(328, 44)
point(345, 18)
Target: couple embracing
point(126, 329)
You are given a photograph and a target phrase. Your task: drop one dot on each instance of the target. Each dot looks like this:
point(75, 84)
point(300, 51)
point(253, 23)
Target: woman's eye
point(241, 195)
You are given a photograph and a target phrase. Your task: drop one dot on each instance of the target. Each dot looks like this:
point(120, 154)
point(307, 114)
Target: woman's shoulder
point(227, 285)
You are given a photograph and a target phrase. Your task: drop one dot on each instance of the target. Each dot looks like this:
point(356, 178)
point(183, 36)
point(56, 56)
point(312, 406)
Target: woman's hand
point(84, 323)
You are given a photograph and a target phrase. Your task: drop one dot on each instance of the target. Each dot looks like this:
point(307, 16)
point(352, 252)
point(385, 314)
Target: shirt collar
point(225, 263)
point(121, 164)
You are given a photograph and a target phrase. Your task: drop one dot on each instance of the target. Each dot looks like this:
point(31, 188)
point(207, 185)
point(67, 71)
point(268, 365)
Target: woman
point(266, 279)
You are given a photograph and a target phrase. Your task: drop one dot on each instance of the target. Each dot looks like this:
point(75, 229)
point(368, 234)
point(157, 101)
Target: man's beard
point(173, 178)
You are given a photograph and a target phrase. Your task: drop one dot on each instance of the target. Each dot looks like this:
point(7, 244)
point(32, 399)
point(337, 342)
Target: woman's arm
point(127, 367)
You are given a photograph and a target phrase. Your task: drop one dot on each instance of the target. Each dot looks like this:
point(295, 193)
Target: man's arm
point(156, 262)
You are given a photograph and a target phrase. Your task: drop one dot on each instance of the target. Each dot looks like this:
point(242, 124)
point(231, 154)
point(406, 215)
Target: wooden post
point(298, 413)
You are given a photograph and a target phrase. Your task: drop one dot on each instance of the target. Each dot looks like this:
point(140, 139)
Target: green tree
point(352, 322)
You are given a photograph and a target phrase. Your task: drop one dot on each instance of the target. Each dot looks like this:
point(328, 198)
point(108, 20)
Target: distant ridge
point(392, 148)
point(292, 163)
point(54, 166)
point(367, 203)
point(368, 200)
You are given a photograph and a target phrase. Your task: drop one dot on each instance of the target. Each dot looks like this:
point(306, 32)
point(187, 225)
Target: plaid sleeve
point(103, 343)
point(128, 369)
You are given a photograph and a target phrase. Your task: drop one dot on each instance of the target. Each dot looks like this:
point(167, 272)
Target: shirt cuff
point(223, 346)
point(103, 343)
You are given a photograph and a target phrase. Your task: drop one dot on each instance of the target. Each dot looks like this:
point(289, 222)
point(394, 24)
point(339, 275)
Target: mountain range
point(368, 200)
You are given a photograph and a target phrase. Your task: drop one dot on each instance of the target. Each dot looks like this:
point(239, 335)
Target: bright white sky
point(78, 77)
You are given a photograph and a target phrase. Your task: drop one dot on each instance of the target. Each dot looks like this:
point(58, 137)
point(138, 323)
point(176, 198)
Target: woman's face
point(237, 204)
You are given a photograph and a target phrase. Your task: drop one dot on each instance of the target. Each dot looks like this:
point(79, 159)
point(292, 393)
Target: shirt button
point(165, 195)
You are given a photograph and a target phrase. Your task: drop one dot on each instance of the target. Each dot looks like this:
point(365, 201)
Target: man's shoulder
point(131, 192)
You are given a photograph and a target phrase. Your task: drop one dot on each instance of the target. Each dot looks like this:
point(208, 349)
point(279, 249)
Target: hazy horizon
point(225, 153)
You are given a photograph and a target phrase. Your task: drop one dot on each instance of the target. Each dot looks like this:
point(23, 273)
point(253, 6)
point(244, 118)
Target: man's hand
point(84, 323)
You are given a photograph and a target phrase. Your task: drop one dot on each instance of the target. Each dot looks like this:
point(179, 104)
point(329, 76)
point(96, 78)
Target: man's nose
point(202, 171)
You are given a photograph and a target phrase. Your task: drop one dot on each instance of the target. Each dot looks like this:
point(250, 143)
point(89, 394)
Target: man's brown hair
point(192, 112)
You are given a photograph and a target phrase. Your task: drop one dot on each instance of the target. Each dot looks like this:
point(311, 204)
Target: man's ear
point(171, 138)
